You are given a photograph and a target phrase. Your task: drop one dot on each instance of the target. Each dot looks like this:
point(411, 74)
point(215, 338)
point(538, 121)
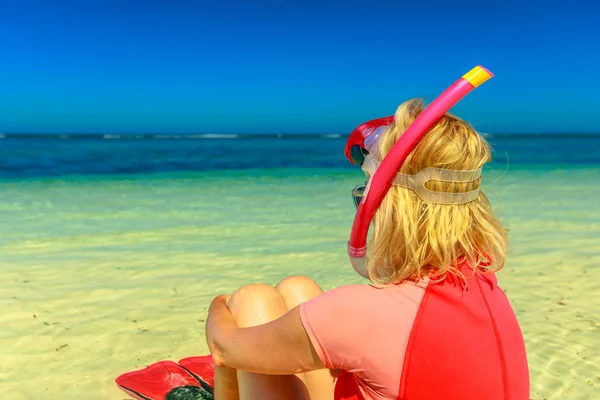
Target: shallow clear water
point(106, 267)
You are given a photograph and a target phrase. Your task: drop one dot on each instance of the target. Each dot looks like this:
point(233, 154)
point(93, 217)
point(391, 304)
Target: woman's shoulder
point(374, 289)
point(364, 295)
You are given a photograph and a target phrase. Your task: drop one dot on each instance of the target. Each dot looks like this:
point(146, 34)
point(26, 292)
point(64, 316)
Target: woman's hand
point(218, 323)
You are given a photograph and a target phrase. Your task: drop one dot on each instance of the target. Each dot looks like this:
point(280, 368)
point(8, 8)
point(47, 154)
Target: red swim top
point(421, 340)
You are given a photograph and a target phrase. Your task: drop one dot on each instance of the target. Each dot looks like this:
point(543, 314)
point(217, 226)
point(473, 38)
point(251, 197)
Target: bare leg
point(226, 384)
point(257, 304)
point(253, 305)
point(294, 291)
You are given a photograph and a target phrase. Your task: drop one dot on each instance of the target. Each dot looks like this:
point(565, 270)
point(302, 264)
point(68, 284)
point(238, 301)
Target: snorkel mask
point(361, 148)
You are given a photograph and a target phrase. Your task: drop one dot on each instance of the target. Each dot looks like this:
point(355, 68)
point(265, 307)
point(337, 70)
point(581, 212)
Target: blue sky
point(292, 66)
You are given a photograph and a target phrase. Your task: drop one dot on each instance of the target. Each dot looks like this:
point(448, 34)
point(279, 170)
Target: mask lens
point(357, 194)
point(358, 154)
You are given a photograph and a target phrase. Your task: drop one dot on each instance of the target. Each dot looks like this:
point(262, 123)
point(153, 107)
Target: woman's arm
point(280, 347)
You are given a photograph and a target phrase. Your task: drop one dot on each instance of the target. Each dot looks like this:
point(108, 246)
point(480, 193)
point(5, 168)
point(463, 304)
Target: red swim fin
point(201, 367)
point(160, 381)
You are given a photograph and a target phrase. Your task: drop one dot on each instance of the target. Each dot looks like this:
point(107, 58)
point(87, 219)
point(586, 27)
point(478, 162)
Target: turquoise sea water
point(96, 234)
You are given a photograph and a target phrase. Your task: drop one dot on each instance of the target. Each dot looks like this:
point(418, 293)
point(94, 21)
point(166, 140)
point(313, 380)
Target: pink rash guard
point(421, 340)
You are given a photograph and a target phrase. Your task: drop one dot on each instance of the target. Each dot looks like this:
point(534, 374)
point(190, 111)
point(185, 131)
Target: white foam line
point(218, 136)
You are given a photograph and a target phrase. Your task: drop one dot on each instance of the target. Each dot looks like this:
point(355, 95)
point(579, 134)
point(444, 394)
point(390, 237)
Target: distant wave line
point(220, 136)
point(133, 136)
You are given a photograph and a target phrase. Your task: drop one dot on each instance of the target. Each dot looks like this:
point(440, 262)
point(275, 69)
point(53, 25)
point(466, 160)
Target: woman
point(432, 324)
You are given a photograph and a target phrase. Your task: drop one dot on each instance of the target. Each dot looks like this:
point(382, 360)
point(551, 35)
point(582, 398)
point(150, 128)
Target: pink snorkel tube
point(382, 180)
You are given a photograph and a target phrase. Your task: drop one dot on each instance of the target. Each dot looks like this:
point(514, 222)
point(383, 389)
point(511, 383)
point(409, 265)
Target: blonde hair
point(413, 239)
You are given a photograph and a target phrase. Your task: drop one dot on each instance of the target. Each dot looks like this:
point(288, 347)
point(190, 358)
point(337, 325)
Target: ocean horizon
point(25, 156)
point(217, 135)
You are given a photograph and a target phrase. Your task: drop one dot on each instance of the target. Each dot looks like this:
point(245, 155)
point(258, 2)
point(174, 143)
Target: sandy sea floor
point(104, 276)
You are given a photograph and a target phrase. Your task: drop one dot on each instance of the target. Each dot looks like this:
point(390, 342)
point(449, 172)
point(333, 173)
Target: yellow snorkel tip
point(477, 76)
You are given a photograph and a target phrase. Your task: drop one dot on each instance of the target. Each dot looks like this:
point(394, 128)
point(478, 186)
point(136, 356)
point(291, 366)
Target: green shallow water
point(120, 269)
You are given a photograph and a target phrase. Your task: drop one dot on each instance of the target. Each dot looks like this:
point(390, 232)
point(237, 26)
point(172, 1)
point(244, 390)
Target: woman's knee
point(256, 304)
point(297, 289)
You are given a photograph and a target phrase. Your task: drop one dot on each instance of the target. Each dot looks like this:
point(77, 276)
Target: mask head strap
point(417, 182)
